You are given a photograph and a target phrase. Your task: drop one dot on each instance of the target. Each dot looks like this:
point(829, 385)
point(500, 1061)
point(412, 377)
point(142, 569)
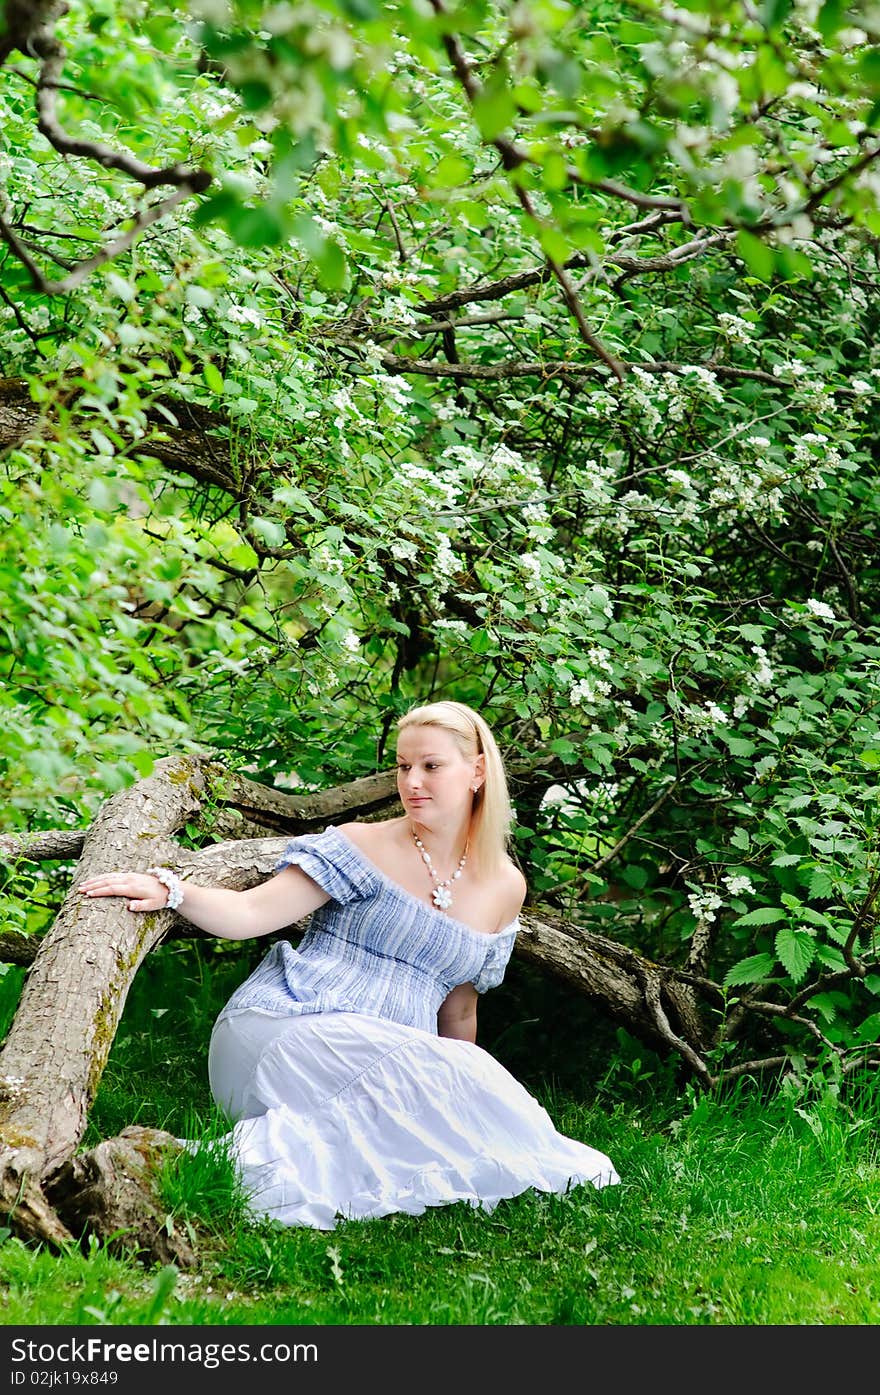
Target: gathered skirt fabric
point(344, 1115)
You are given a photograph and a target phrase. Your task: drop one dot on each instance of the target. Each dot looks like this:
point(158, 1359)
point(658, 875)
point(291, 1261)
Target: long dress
point(346, 1102)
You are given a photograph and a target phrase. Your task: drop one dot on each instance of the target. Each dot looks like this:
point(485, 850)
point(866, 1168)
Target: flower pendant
point(441, 898)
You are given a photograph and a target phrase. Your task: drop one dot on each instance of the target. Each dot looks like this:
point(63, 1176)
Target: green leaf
point(764, 915)
point(831, 957)
point(825, 1004)
point(755, 969)
point(831, 18)
point(332, 266)
point(450, 171)
point(739, 745)
point(494, 110)
point(213, 378)
point(820, 885)
point(256, 227)
point(757, 256)
point(269, 531)
point(792, 265)
point(796, 950)
point(143, 763)
point(635, 876)
point(869, 1030)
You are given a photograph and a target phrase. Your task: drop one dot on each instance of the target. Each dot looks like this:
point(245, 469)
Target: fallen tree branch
point(54, 1055)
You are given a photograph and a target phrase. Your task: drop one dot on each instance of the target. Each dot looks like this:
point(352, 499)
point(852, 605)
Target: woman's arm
point(457, 1015)
point(285, 898)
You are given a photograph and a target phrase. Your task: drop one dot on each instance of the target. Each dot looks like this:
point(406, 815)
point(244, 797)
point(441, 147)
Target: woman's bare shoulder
point(370, 835)
point(512, 890)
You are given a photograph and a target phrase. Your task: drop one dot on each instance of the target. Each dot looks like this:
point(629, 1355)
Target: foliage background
point(523, 354)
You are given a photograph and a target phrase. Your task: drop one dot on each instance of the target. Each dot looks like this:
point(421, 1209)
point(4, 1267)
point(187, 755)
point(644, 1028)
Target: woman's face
point(434, 779)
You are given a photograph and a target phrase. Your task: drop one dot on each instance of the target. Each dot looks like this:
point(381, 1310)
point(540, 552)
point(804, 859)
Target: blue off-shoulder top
point(373, 948)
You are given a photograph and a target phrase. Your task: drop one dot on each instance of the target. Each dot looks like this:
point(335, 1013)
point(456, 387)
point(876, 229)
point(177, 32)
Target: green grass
point(753, 1209)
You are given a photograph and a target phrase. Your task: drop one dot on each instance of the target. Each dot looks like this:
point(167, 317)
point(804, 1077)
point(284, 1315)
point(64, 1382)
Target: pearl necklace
point(442, 896)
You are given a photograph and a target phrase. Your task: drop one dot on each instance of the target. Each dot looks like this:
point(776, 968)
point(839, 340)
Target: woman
point(350, 1064)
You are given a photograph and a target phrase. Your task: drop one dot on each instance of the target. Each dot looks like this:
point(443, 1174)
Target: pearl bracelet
point(172, 882)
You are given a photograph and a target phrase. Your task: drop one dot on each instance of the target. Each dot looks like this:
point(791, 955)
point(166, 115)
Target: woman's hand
point(272, 905)
point(147, 893)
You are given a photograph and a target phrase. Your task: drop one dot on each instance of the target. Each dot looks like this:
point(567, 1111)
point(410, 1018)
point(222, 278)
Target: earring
point(474, 788)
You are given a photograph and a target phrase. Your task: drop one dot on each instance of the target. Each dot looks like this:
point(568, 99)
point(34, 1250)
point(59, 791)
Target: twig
point(511, 158)
point(29, 29)
point(631, 832)
point(140, 221)
point(22, 322)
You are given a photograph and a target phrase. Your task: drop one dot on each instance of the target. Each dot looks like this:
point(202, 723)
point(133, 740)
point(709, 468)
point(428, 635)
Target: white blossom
point(851, 37)
point(704, 904)
point(763, 675)
point(805, 91)
point(587, 691)
point(735, 328)
point(738, 885)
point(599, 659)
point(244, 315)
point(404, 551)
point(820, 610)
point(447, 562)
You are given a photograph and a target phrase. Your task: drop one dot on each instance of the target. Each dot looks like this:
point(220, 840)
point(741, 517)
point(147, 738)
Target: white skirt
point(341, 1115)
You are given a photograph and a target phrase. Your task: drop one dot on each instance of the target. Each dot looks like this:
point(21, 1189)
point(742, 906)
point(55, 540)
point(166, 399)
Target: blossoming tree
point(519, 353)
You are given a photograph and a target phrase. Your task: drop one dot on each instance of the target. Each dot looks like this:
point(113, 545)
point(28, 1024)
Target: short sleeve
point(497, 958)
point(333, 862)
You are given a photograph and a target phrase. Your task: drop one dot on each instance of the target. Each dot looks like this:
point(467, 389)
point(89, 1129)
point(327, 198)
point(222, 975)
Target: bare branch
point(858, 969)
point(49, 845)
point(651, 987)
point(784, 1010)
point(765, 1063)
point(494, 317)
point(572, 300)
point(21, 321)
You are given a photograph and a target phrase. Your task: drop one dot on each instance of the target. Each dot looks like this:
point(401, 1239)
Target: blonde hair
point(491, 815)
